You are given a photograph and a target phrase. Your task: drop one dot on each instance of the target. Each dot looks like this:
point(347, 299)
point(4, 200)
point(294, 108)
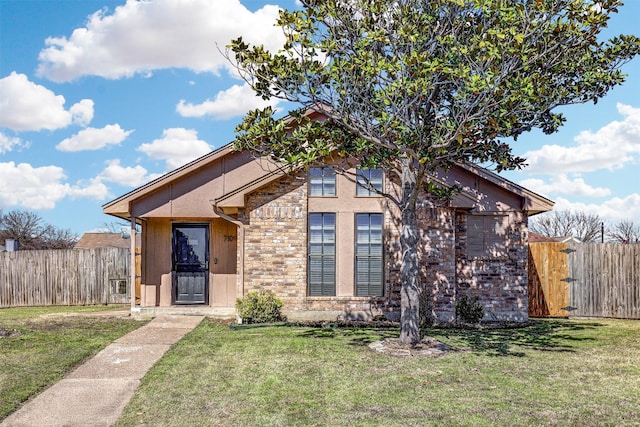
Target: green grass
point(50, 342)
point(555, 372)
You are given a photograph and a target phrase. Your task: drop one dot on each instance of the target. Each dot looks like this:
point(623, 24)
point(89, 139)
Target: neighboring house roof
point(567, 239)
point(539, 238)
point(104, 240)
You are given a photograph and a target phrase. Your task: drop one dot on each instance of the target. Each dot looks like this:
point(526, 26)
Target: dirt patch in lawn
point(426, 347)
point(9, 333)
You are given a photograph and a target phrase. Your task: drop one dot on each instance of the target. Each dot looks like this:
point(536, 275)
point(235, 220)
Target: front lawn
point(39, 345)
point(555, 372)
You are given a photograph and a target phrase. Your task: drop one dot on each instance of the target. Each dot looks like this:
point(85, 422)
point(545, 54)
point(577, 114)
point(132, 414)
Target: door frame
point(206, 226)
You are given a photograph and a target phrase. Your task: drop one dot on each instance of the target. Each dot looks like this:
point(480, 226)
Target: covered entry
point(190, 253)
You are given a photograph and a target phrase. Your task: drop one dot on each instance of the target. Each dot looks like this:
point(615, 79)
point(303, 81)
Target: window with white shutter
point(369, 182)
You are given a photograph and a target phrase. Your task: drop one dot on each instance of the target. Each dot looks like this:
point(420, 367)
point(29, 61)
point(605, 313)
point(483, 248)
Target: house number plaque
point(229, 238)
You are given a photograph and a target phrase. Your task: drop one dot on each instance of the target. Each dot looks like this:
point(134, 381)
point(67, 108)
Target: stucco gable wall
point(490, 197)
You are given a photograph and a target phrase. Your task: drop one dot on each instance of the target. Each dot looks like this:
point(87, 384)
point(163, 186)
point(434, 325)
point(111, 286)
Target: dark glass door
point(190, 263)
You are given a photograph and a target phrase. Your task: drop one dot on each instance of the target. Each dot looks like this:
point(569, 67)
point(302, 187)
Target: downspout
point(240, 226)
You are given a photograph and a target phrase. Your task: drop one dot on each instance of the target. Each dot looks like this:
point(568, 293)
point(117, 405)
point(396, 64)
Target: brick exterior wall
point(436, 254)
point(275, 248)
point(275, 255)
point(500, 284)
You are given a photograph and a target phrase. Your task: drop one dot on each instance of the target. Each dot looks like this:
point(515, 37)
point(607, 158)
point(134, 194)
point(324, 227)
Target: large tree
point(413, 86)
point(586, 227)
point(625, 231)
point(32, 232)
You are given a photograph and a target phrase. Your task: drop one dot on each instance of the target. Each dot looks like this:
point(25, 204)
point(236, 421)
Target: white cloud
point(42, 187)
point(614, 209)
point(142, 36)
point(8, 143)
point(26, 106)
point(125, 175)
point(610, 147)
point(82, 112)
point(235, 101)
point(561, 184)
point(177, 147)
point(94, 139)
point(93, 189)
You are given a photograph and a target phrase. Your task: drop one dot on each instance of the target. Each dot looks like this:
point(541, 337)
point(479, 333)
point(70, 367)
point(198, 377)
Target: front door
point(190, 263)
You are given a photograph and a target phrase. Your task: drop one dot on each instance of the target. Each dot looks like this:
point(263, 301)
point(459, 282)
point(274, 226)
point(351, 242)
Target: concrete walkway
point(96, 393)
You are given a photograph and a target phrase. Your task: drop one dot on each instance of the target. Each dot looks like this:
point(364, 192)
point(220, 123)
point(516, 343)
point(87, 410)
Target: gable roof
point(252, 177)
point(249, 175)
point(534, 202)
point(120, 206)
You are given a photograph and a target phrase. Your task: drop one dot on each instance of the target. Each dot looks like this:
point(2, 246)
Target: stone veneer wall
point(501, 284)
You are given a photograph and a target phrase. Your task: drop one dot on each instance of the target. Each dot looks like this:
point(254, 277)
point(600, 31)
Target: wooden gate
point(548, 279)
point(584, 279)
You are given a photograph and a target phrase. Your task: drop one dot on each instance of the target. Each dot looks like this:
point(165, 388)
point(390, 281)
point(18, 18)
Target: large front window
point(322, 254)
point(368, 257)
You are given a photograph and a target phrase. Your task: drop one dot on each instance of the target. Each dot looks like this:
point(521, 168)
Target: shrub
point(469, 310)
point(259, 307)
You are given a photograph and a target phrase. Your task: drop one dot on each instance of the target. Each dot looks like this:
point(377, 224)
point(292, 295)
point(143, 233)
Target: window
point(118, 286)
point(368, 254)
point(322, 254)
point(322, 182)
point(368, 180)
point(486, 236)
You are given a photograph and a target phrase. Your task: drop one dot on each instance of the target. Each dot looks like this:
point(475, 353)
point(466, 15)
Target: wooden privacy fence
point(585, 279)
point(64, 277)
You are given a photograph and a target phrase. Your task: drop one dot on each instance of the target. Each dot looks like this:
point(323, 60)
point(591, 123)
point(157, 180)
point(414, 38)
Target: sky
point(98, 97)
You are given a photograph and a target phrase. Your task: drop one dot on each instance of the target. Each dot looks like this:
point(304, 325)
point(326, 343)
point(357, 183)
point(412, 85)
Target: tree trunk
point(409, 272)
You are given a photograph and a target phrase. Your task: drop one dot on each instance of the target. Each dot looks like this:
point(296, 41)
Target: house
point(539, 238)
point(227, 224)
point(104, 240)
